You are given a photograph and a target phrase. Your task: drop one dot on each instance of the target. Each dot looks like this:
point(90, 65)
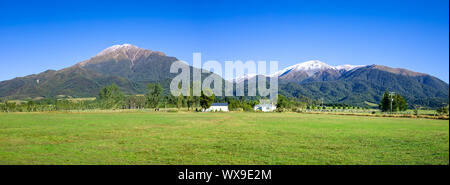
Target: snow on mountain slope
point(348, 67)
point(243, 78)
point(309, 67)
point(115, 48)
point(127, 52)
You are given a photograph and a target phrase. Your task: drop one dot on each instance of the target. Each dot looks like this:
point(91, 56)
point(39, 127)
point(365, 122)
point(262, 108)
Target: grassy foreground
point(219, 138)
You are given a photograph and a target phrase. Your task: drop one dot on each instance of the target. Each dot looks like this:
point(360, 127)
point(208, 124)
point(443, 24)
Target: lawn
point(219, 138)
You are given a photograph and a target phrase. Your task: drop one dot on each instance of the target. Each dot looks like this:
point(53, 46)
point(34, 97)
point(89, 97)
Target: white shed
point(215, 107)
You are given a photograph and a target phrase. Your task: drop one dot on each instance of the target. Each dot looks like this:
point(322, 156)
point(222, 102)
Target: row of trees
point(47, 105)
point(302, 103)
point(111, 97)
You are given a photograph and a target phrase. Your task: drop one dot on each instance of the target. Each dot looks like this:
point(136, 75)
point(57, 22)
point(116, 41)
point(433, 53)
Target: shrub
point(442, 110)
point(279, 109)
point(238, 109)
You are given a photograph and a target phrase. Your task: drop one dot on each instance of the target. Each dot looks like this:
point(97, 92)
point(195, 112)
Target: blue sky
point(40, 35)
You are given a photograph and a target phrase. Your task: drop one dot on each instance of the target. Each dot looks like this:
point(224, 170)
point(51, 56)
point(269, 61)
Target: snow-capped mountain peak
point(116, 48)
point(123, 52)
point(313, 66)
point(310, 67)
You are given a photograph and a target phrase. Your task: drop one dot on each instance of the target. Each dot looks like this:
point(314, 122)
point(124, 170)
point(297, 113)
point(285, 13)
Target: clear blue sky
point(40, 35)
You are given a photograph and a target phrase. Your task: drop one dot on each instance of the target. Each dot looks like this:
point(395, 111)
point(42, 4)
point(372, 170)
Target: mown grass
point(219, 138)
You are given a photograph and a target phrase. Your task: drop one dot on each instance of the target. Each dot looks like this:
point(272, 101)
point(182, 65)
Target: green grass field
point(219, 138)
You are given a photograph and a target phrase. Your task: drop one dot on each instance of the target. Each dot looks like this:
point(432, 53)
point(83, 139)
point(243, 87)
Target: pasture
point(219, 138)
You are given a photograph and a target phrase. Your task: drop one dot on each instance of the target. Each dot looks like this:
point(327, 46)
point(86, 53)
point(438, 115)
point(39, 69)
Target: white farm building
point(216, 107)
point(265, 107)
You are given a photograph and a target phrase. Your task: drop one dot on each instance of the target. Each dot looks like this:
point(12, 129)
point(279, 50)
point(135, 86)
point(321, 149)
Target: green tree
point(111, 96)
point(10, 106)
point(385, 103)
point(398, 103)
point(166, 101)
point(205, 100)
point(282, 102)
point(2, 107)
point(196, 101)
point(416, 109)
point(190, 102)
point(154, 95)
point(30, 106)
point(135, 102)
point(442, 110)
point(179, 102)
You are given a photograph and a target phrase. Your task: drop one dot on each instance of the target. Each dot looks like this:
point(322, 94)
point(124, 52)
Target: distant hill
point(131, 68)
point(73, 81)
point(128, 66)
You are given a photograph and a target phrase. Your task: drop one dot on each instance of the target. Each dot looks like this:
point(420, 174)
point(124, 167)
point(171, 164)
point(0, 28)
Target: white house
point(215, 107)
point(265, 106)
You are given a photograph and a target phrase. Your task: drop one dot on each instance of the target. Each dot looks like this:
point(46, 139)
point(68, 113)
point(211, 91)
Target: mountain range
point(131, 68)
point(358, 84)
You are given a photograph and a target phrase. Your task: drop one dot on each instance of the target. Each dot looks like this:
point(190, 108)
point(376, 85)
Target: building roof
point(219, 104)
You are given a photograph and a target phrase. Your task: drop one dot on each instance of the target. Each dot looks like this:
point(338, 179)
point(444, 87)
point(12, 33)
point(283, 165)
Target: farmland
point(219, 138)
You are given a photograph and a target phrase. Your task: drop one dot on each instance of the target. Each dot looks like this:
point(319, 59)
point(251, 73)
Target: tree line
point(111, 97)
